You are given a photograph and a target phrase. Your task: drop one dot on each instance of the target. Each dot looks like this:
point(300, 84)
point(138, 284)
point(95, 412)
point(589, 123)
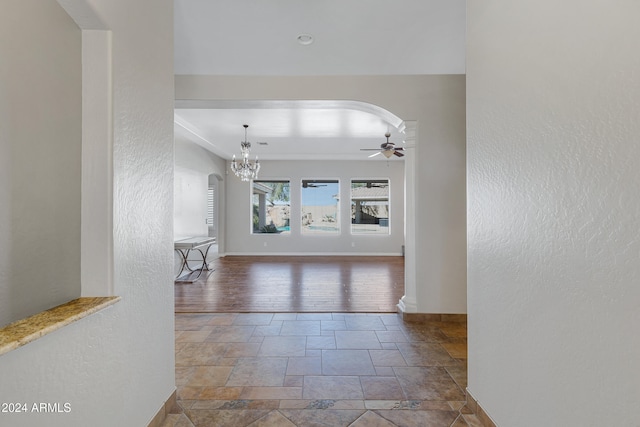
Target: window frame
point(380, 180)
point(304, 230)
point(252, 205)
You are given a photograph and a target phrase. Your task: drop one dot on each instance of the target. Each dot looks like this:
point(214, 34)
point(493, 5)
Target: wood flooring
point(298, 284)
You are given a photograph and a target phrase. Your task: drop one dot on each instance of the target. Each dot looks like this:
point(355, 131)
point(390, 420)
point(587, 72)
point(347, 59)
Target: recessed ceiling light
point(305, 39)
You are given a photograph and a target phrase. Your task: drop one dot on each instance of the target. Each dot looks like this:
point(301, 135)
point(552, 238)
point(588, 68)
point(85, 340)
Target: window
point(270, 206)
point(211, 197)
point(370, 206)
point(320, 206)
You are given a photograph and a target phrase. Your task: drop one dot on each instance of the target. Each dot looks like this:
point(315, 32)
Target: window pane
point(370, 206)
point(271, 210)
point(211, 195)
point(320, 201)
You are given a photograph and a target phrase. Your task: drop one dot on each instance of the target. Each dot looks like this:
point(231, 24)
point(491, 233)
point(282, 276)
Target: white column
point(408, 303)
point(358, 211)
point(262, 211)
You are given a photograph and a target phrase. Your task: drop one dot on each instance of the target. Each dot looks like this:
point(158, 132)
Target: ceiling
point(350, 37)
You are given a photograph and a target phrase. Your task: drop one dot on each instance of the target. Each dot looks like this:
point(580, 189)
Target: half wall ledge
point(24, 331)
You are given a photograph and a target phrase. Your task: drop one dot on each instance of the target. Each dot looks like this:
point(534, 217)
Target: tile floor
point(319, 369)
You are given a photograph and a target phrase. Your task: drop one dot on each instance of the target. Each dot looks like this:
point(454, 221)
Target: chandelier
point(244, 169)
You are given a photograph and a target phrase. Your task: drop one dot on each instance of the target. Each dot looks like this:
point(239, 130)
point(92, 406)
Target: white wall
point(553, 176)
point(190, 203)
point(436, 263)
point(40, 165)
point(240, 240)
point(193, 165)
point(115, 367)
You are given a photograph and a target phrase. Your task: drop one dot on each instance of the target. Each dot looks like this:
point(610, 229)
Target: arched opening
point(215, 127)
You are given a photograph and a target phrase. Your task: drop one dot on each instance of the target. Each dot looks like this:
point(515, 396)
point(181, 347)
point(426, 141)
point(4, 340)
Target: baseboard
point(479, 412)
point(431, 317)
point(170, 406)
point(290, 254)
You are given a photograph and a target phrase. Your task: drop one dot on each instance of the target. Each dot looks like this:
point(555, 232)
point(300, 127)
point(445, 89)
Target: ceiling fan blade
point(398, 154)
point(369, 149)
point(373, 155)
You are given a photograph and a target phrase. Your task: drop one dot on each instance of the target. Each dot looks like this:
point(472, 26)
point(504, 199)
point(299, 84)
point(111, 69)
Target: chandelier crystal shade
point(245, 169)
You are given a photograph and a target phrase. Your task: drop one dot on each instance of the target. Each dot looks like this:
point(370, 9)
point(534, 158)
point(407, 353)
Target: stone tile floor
point(319, 369)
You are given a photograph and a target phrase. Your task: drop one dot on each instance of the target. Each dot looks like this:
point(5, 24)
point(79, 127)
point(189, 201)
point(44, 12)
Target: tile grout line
point(391, 345)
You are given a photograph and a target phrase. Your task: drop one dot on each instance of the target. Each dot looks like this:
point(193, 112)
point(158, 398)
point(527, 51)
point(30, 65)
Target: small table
point(184, 246)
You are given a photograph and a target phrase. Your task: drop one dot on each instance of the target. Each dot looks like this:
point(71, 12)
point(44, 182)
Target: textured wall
point(116, 368)
point(553, 102)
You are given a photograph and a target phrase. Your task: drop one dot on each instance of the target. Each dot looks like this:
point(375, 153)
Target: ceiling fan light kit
point(387, 149)
point(245, 169)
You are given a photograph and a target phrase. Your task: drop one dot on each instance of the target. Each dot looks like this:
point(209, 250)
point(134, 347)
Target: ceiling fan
point(312, 184)
point(387, 149)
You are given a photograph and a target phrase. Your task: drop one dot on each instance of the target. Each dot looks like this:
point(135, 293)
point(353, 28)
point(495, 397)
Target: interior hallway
point(309, 367)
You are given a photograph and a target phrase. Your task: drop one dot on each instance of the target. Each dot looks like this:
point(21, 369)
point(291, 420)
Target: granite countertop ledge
point(24, 331)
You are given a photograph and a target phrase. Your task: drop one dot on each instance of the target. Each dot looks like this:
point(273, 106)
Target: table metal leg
point(184, 265)
point(205, 264)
